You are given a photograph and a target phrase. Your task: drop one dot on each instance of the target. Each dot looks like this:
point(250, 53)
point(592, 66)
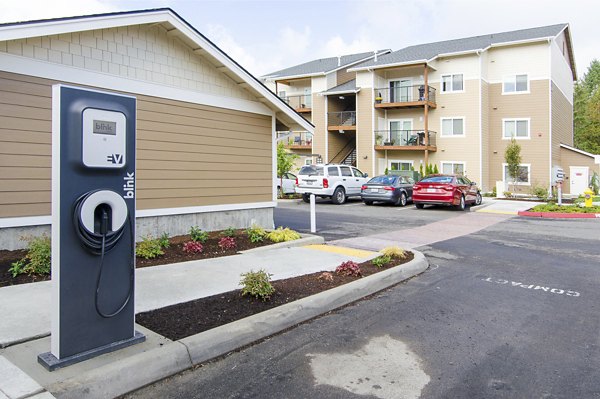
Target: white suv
point(337, 182)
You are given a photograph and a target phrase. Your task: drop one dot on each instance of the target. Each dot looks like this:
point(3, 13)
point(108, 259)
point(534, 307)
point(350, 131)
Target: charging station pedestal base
point(93, 225)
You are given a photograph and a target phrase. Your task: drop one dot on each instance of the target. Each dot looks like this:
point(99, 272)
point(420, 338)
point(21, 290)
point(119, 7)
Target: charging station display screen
point(105, 127)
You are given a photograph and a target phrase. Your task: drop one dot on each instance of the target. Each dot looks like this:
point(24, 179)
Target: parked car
point(337, 182)
point(287, 182)
point(453, 190)
point(393, 189)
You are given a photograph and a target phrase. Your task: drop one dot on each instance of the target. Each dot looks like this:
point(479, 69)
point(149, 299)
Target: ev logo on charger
point(115, 159)
point(129, 186)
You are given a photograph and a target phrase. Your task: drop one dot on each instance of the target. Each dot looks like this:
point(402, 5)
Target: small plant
point(381, 261)
point(228, 232)
point(226, 243)
point(38, 257)
point(193, 247)
point(349, 268)
point(164, 240)
point(256, 233)
point(540, 192)
point(198, 235)
point(325, 276)
point(394, 252)
point(507, 194)
point(494, 192)
point(149, 248)
point(280, 235)
point(257, 284)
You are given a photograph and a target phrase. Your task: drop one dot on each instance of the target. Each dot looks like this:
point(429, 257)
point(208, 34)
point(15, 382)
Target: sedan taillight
point(388, 188)
point(296, 181)
point(325, 183)
point(363, 187)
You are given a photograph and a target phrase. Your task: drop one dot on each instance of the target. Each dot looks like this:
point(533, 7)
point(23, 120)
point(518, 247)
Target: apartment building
point(303, 87)
point(457, 104)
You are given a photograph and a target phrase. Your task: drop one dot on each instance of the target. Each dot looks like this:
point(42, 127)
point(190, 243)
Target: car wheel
point(339, 196)
point(368, 202)
point(402, 200)
point(420, 206)
point(461, 204)
point(306, 198)
point(478, 199)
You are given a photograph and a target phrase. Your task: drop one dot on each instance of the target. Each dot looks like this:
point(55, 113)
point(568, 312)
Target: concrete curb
point(137, 371)
point(306, 239)
point(557, 215)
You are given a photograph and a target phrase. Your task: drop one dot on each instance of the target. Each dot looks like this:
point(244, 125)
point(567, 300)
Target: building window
point(451, 83)
point(517, 128)
point(452, 127)
point(400, 165)
point(523, 175)
point(453, 168)
point(516, 84)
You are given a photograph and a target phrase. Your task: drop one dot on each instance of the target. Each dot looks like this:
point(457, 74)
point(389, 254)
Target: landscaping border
point(557, 215)
point(124, 375)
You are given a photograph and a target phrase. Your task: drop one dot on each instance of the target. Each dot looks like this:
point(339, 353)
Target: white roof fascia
point(370, 68)
point(358, 62)
point(335, 93)
point(587, 154)
point(308, 75)
point(456, 53)
point(85, 23)
point(571, 53)
point(516, 42)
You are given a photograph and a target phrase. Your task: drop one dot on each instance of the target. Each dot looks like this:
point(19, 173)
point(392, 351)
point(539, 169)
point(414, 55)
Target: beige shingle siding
point(187, 154)
point(486, 184)
point(534, 151)
point(364, 131)
point(319, 120)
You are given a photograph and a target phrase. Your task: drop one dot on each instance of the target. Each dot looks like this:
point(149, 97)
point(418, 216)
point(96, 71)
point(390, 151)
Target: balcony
point(404, 97)
point(345, 120)
point(404, 140)
point(296, 140)
point(301, 103)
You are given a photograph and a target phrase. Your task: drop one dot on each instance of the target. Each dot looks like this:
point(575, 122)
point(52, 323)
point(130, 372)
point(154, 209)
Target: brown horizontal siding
point(187, 154)
point(562, 123)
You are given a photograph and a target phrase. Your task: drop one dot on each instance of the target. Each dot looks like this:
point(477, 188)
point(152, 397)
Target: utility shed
point(205, 126)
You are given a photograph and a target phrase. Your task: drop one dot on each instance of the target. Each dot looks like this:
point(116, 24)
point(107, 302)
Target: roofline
point(588, 154)
point(310, 75)
point(21, 30)
point(334, 93)
point(394, 64)
point(567, 30)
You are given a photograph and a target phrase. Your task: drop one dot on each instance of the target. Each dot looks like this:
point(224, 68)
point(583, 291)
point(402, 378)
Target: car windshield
point(311, 170)
point(385, 180)
point(437, 179)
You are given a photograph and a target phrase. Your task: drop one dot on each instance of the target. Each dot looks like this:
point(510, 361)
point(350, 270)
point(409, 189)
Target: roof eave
point(567, 31)
point(394, 64)
point(335, 93)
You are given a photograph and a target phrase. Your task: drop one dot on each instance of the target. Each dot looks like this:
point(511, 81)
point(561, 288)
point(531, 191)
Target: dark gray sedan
point(387, 188)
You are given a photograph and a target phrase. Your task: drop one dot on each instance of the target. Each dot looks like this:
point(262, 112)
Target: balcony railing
point(296, 139)
point(344, 118)
point(404, 138)
point(300, 103)
point(413, 95)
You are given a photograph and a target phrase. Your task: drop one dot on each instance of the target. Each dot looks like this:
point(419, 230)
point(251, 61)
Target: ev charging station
point(93, 225)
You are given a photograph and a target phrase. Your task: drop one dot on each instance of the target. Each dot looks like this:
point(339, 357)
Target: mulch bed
point(189, 318)
point(173, 254)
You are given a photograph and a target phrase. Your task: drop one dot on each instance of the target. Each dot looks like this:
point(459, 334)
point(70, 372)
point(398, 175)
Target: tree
point(285, 162)
point(512, 156)
point(586, 108)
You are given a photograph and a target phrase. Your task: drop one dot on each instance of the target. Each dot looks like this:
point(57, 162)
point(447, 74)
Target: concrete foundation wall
point(156, 225)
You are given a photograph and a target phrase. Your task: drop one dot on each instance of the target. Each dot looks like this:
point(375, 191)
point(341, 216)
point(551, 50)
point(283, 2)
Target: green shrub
point(38, 257)
point(164, 240)
point(228, 232)
point(564, 209)
point(256, 233)
point(494, 192)
point(148, 248)
point(507, 194)
point(257, 284)
point(394, 252)
point(540, 192)
point(381, 261)
point(198, 235)
point(280, 235)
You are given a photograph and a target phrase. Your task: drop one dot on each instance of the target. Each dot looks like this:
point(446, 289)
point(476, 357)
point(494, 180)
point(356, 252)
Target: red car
point(453, 190)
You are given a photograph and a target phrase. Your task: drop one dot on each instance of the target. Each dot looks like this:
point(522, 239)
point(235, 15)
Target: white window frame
point(506, 178)
point(389, 126)
point(504, 120)
point(513, 79)
point(390, 161)
point(453, 118)
point(463, 163)
point(410, 86)
point(451, 75)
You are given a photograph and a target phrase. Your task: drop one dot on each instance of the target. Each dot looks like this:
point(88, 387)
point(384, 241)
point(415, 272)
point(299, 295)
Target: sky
point(265, 36)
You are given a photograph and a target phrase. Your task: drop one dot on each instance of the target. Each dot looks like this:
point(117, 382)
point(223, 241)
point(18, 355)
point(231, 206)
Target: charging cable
point(100, 244)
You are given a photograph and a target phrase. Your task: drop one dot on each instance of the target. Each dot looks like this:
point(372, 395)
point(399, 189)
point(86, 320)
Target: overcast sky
point(264, 36)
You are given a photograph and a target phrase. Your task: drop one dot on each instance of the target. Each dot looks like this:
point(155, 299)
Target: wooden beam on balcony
point(343, 127)
point(431, 148)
